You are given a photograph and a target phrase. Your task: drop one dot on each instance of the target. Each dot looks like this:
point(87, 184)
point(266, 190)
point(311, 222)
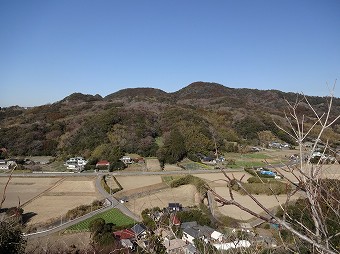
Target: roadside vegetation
point(83, 209)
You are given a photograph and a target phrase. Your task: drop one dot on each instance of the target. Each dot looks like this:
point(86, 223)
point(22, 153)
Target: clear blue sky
point(50, 49)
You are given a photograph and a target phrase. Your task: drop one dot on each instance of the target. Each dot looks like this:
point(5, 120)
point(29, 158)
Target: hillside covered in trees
point(151, 122)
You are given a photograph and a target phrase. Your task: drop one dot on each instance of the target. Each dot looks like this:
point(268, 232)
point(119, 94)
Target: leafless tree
point(307, 177)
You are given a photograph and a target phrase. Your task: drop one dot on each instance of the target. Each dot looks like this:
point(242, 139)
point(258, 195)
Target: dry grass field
point(49, 198)
point(216, 181)
point(219, 178)
point(237, 213)
point(68, 194)
point(172, 167)
point(186, 195)
point(152, 164)
point(59, 242)
point(25, 188)
point(134, 182)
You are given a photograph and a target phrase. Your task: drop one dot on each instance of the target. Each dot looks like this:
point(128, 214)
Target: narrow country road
point(114, 203)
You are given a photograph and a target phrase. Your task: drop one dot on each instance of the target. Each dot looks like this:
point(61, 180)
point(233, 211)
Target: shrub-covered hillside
point(151, 122)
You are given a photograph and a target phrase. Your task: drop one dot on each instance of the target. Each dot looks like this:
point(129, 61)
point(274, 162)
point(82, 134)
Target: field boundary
point(44, 192)
point(142, 191)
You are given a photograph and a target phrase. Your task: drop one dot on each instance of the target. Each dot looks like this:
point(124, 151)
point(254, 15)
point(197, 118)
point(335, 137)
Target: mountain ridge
point(135, 119)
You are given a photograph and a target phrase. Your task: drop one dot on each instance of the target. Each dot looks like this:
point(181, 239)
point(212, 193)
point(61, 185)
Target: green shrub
point(190, 179)
point(270, 188)
point(260, 180)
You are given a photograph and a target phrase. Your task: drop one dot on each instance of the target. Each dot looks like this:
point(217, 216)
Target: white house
point(126, 160)
point(232, 245)
point(75, 163)
point(4, 165)
point(196, 232)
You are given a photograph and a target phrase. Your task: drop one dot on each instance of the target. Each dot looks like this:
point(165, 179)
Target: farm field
point(171, 167)
point(134, 182)
point(112, 216)
point(25, 188)
point(237, 213)
point(186, 195)
point(218, 178)
point(55, 201)
point(152, 164)
point(259, 159)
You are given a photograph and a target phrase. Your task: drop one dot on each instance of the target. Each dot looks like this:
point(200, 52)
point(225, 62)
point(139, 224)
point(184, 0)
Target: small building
point(126, 160)
point(174, 220)
point(245, 226)
point(103, 164)
point(174, 246)
point(127, 243)
point(124, 234)
point(197, 232)
point(232, 245)
point(139, 230)
point(4, 165)
point(175, 207)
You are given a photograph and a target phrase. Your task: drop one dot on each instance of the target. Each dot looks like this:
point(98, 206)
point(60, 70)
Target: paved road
point(118, 173)
point(67, 224)
point(114, 203)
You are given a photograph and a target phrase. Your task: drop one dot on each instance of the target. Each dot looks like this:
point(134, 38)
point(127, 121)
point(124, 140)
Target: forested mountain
point(152, 122)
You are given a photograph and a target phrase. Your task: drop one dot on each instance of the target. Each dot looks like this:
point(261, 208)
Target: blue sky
point(50, 49)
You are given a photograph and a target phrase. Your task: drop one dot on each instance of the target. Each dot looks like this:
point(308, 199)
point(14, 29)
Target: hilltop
point(145, 121)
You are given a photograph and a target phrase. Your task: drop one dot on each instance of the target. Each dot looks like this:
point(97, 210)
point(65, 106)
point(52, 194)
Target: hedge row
point(190, 179)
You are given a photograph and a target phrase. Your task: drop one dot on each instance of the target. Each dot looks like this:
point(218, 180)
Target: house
point(196, 232)
point(175, 246)
point(189, 224)
point(190, 249)
point(7, 164)
point(174, 220)
point(163, 233)
point(216, 236)
point(4, 165)
point(245, 226)
point(139, 230)
point(232, 245)
point(126, 160)
point(103, 164)
point(127, 243)
point(76, 163)
point(124, 234)
point(175, 207)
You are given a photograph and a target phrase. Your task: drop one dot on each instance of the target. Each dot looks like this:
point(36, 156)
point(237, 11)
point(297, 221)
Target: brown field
point(237, 213)
point(25, 188)
point(152, 164)
point(219, 177)
point(76, 185)
point(186, 195)
point(171, 167)
point(59, 243)
point(133, 182)
point(49, 198)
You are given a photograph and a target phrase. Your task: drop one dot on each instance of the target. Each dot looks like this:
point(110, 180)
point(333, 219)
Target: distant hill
point(140, 120)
